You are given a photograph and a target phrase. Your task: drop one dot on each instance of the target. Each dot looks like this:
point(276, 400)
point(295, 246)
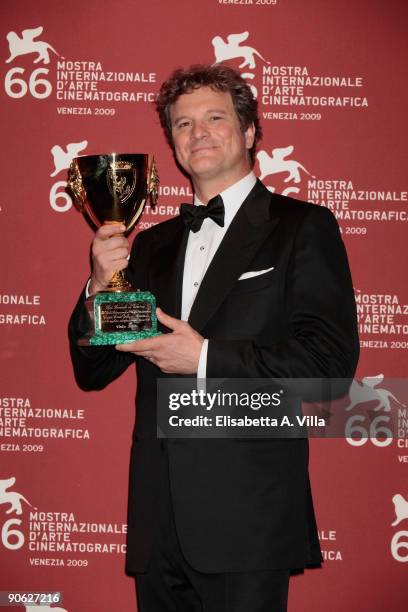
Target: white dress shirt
point(201, 248)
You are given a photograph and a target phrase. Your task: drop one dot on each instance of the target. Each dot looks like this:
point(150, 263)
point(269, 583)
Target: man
point(259, 288)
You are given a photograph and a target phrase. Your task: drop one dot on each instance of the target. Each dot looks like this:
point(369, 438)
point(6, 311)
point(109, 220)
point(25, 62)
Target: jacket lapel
point(167, 270)
point(248, 230)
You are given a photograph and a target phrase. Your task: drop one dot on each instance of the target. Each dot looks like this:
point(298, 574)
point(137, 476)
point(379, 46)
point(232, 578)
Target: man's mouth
point(205, 148)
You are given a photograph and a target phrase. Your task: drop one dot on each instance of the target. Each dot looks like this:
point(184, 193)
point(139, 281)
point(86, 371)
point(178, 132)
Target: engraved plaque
point(125, 316)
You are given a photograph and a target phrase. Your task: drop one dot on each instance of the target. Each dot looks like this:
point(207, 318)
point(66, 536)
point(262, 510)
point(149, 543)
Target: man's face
point(207, 137)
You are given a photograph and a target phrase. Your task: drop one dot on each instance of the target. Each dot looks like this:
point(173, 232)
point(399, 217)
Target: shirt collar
point(234, 196)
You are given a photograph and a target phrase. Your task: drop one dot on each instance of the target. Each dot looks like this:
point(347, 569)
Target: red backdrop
point(80, 77)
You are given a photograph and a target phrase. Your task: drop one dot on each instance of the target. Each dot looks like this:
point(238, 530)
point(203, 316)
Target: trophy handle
point(153, 182)
point(76, 185)
point(152, 185)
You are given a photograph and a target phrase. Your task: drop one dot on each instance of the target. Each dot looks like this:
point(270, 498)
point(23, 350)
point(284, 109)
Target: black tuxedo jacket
point(239, 505)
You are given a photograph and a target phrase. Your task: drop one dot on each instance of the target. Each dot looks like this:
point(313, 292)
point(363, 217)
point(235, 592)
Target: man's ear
point(249, 136)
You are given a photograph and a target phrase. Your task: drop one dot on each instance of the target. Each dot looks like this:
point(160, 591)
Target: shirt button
point(202, 248)
point(196, 284)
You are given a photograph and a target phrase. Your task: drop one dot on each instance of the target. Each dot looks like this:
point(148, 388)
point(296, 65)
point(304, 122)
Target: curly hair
point(218, 77)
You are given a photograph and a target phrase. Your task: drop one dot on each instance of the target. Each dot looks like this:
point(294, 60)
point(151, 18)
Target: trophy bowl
point(113, 189)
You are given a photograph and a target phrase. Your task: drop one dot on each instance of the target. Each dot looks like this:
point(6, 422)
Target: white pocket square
point(254, 273)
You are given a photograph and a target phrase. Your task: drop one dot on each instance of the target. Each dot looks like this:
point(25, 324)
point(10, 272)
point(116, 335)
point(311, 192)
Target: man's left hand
point(175, 353)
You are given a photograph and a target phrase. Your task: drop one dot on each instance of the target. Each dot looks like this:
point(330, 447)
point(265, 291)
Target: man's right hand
point(110, 250)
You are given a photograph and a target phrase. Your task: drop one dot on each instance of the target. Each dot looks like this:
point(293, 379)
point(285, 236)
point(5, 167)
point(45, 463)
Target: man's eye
point(215, 117)
point(183, 124)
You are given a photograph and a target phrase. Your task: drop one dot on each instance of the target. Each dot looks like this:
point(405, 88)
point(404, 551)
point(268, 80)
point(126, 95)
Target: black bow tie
point(193, 216)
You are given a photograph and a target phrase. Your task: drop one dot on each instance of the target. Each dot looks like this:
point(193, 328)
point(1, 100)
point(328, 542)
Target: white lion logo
point(41, 608)
point(277, 164)
point(366, 391)
point(401, 509)
point(11, 497)
point(232, 50)
point(26, 44)
point(63, 159)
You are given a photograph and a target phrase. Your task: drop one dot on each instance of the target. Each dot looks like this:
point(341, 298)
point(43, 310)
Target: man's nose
point(199, 129)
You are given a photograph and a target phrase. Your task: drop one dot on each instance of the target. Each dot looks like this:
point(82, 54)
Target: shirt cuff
point(202, 362)
point(87, 289)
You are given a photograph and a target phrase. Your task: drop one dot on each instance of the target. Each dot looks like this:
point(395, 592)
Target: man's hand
point(110, 250)
point(175, 353)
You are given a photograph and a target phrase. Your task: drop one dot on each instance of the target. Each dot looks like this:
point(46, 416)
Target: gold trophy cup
point(113, 189)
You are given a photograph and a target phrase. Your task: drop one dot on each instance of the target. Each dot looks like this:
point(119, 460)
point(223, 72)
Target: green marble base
point(121, 317)
point(120, 337)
